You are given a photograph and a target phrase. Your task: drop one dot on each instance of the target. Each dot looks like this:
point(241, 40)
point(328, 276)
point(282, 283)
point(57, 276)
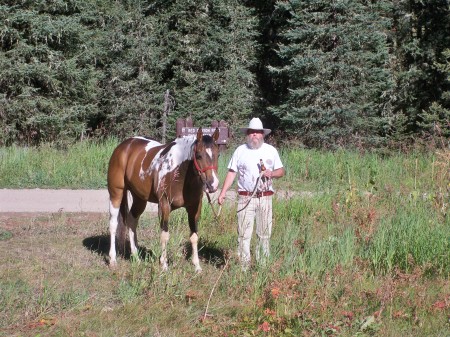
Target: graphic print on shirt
point(264, 183)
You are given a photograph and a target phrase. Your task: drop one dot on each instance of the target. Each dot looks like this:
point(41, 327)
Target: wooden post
point(223, 147)
point(180, 124)
point(168, 105)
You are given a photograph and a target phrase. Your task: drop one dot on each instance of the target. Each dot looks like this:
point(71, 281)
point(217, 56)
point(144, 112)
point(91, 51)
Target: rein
point(253, 193)
point(216, 214)
point(203, 170)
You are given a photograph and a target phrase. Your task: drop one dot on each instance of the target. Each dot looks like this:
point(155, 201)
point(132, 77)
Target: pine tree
point(48, 87)
point(201, 51)
point(337, 65)
point(421, 69)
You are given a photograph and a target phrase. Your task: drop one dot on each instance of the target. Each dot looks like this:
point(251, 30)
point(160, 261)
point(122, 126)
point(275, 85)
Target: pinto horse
point(172, 175)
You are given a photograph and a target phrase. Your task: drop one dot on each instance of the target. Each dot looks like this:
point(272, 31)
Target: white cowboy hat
point(255, 124)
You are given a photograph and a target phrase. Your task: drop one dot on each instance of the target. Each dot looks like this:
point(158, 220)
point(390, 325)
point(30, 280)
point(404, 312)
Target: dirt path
point(51, 201)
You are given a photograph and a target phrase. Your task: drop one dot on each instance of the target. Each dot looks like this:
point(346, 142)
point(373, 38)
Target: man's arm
point(278, 173)
point(226, 185)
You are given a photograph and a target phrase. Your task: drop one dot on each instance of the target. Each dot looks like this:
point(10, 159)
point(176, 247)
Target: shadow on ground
point(208, 253)
point(99, 244)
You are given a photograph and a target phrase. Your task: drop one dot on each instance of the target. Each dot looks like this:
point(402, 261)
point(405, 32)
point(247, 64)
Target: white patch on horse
point(143, 138)
point(178, 154)
point(113, 223)
point(171, 161)
point(150, 144)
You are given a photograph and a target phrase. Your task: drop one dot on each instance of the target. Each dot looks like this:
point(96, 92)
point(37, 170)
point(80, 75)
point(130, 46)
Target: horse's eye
point(198, 156)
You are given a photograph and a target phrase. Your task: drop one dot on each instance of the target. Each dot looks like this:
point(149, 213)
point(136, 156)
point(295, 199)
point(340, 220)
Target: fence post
point(168, 105)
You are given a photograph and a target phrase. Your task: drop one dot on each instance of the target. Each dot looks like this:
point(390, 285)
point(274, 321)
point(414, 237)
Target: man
point(256, 164)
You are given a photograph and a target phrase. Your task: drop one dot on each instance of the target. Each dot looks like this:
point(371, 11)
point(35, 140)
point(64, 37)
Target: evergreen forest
point(321, 74)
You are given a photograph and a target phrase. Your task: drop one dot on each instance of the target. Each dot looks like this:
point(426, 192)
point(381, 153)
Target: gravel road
point(51, 201)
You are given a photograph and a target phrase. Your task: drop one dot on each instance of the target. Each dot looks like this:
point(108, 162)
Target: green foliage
point(410, 238)
point(48, 89)
point(336, 56)
point(202, 53)
point(421, 66)
point(348, 73)
point(77, 68)
point(83, 165)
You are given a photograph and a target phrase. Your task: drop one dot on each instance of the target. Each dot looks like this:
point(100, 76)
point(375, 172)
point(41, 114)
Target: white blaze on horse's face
point(215, 183)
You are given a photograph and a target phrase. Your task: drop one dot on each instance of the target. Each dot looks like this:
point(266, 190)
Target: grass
point(82, 165)
point(359, 248)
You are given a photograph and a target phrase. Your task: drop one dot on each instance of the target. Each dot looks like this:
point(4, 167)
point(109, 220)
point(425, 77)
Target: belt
point(257, 194)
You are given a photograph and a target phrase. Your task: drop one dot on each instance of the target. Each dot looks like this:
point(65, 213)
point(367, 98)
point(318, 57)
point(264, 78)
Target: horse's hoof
point(198, 270)
point(112, 265)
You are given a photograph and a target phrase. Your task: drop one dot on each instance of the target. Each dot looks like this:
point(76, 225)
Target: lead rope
point(253, 193)
point(216, 214)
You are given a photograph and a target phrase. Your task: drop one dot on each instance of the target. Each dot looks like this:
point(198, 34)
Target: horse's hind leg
point(136, 210)
point(114, 211)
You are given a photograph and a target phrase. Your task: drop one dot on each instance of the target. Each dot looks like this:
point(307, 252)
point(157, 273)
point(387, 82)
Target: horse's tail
point(122, 225)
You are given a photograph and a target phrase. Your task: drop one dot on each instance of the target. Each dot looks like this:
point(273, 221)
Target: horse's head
point(206, 157)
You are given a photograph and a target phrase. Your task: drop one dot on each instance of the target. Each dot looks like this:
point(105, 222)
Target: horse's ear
point(216, 135)
point(199, 135)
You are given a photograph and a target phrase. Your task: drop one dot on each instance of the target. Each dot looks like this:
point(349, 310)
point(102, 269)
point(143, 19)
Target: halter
point(199, 169)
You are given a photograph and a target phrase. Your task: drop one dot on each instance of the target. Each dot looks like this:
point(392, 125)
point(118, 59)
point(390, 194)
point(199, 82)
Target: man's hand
point(268, 173)
point(221, 199)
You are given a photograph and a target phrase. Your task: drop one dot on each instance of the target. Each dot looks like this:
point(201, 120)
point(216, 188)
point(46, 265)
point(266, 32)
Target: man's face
point(255, 138)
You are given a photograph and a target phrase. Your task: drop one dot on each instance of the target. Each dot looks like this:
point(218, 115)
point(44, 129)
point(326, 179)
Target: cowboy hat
point(255, 124)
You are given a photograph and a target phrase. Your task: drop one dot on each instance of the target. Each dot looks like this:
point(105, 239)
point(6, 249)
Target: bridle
point(199, 169)
point(203, 170)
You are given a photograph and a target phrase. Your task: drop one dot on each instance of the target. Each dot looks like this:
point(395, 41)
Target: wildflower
point(265, 327)
point(275, 292)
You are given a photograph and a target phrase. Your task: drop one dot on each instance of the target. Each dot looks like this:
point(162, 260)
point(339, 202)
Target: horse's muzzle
point(209, 188)
point(212, 184)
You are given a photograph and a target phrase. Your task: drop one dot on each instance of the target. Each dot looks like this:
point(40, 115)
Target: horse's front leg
point(164, 212)
point(195, 259)
point(193, 216)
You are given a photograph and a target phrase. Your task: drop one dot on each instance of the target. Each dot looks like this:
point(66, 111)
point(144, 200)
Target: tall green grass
point(83, 165)
point(316, 170)
point(411, 237)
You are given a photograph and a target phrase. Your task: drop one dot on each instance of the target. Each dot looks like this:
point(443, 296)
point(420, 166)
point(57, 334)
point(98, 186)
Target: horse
point(172, 175)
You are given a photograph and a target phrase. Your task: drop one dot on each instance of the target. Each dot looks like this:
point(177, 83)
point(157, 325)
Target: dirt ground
point(41, 205)
point(51, 201)
point(19, 207)
point(16, 221)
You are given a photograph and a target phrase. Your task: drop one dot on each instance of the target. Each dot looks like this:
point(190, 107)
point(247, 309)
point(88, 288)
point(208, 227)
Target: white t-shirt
point(245, 161)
